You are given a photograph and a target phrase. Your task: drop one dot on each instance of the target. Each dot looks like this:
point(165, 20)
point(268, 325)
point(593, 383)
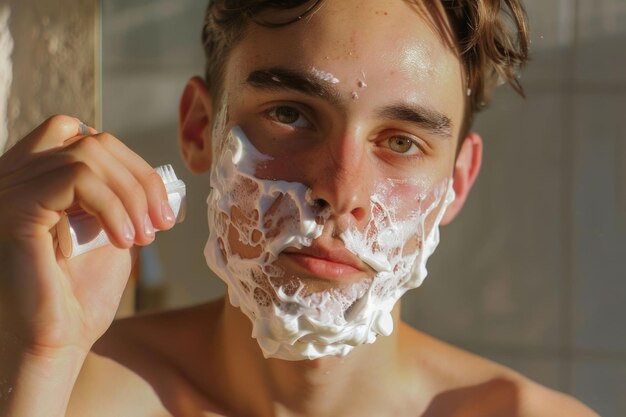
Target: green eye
point(400, 144)
point(286, 115)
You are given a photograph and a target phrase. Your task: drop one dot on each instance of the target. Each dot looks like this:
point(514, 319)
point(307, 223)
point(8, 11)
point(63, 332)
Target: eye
point(289, 116)
point(402, 144)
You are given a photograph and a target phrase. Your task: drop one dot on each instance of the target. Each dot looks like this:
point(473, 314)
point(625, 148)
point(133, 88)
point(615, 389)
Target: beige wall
point(54, 62)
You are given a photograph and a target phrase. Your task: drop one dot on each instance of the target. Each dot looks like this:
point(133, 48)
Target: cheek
point(405, 200)
point(295, 164)
point(243, 233)
point(256, 222)
point(416, 203)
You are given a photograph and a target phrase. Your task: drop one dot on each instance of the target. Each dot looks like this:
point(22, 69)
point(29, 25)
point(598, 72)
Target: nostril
point(358, 213)
point(320, 202)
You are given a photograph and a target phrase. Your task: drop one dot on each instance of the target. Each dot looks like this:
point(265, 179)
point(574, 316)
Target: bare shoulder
point(538, 401)
point(458, 378)
point(135, 368)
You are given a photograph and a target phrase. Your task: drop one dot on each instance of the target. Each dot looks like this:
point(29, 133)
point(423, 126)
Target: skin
point(201, 361)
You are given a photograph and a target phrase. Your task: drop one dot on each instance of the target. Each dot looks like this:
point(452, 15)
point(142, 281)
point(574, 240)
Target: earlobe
point(466, 169)
point(194, 126)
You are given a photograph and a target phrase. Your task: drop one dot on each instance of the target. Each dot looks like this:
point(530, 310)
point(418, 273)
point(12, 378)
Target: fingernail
point(83, 129)
point(148, 228)
point(129, 231)
point(167, 213)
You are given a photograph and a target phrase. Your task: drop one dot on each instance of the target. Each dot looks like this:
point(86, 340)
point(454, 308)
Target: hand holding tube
point(53, 307)
point(79, 232)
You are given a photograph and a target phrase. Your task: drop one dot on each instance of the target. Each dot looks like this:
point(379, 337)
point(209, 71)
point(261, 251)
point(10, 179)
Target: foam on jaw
point(267, 217)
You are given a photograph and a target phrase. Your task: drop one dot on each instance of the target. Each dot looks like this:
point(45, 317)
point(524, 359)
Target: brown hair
point(491, 37)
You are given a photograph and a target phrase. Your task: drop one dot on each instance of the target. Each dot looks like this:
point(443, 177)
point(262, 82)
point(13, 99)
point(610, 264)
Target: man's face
point(356, 95)
point(361, 103)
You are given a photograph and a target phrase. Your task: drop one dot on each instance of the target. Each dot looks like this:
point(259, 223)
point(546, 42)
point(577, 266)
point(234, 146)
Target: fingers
point(50, 135)
point(60, 143)
point(156, 195)
point(120, 180)
point(136, 183)
point(56, 190)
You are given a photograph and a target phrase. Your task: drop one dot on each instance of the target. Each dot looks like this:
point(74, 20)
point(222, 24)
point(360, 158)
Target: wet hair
point(490, 37)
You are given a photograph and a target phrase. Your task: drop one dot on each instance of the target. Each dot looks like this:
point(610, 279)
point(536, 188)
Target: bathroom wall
point(54, 62)
point(532, 272)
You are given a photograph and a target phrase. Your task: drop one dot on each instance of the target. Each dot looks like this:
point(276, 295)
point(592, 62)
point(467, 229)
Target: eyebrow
point(426, 118)
point(277, 78)
point(287, 79)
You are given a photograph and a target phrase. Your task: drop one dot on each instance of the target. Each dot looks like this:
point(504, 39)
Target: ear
point(194, 126)
point(466, 168)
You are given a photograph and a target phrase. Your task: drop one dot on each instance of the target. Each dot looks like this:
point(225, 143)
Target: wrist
point(48, 356)
point(17, 342)
point(48, 375)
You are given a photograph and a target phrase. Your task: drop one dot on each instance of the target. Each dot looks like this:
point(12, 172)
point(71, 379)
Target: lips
point(326, 263)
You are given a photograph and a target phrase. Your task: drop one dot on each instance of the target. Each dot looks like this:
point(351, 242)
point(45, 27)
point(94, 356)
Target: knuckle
point(61, 123)
point(153, 179)
point(116, 207)
point(89, 145)
point(65, 157)
point(59, 119)
point(108, 195)
point(106, 138)
point(137, 191)
point(78, 169)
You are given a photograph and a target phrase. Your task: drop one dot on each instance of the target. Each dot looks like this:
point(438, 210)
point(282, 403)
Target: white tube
point(79, 232)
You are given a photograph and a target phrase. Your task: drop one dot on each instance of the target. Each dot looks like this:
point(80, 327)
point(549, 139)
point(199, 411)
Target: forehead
point(388, 44)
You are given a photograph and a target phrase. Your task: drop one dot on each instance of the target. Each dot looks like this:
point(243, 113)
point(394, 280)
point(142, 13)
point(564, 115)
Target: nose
point(342, 177)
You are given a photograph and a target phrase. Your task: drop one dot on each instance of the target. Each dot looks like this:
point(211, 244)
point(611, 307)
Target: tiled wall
point(533, 272)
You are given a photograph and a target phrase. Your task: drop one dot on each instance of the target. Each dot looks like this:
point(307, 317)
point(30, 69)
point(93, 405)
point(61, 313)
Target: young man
point(337, 136)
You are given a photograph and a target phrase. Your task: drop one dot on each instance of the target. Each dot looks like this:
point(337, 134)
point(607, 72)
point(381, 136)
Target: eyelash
point(419, 152)
point(416, 146)
point(271, 115)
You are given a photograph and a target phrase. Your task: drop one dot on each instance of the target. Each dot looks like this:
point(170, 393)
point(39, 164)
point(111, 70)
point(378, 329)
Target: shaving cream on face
point(324, 75)
point(252, 220)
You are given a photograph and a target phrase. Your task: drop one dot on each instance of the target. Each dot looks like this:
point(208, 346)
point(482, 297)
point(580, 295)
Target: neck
point(307, 387)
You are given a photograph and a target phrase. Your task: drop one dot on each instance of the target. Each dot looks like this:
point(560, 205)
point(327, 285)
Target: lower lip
point(323, 268)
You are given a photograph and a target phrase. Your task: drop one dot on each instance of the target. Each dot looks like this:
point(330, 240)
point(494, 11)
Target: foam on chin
point(268, 217)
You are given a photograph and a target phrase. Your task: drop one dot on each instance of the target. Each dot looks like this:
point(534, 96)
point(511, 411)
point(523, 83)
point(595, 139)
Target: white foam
point(267, 217)
point(324, 76)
